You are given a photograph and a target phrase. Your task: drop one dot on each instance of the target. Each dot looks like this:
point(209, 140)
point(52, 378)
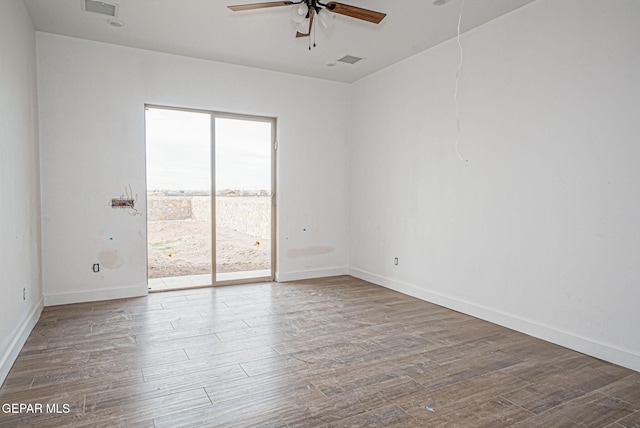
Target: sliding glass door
point(210, 198)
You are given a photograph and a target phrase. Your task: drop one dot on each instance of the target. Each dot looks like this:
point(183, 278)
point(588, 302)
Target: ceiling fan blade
point(241, 7)
point(299, 34)
point(356, 12)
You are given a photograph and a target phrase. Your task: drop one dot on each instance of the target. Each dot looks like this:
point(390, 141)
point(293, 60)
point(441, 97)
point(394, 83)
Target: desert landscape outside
point(179, 233)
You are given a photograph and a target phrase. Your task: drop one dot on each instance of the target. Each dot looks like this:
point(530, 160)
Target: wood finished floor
point(334, 352)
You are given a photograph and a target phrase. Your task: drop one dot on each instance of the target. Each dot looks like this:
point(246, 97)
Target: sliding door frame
point(225, 115)
point(264, 119)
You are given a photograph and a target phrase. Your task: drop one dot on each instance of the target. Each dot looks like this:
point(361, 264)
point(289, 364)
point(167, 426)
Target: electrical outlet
point(395, 261)
point(24, 294)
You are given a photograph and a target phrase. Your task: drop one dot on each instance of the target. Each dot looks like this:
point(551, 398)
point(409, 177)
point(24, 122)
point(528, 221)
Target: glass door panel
point(243, 198)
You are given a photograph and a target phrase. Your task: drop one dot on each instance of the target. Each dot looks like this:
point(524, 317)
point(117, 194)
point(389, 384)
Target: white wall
point(92, 98)
point(540, 230)
point(19, 177)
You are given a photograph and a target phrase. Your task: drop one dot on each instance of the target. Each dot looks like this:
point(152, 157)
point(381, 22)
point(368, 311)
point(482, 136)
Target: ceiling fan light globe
point(327, 18)
point(299, 12)
point(303, 26)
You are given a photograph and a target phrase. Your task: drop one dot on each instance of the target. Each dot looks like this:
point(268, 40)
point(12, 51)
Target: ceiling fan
point(308, 8)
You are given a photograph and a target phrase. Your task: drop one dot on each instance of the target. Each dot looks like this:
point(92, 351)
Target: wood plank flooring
point(332, 352)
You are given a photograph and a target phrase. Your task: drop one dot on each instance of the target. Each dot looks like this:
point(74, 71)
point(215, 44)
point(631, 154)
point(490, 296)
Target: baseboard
point(96, 295)
point(311, 273)
point(21, 336)
point(585, 345)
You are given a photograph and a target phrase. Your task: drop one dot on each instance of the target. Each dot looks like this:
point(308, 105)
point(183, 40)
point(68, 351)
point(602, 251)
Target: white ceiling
point(265, 38)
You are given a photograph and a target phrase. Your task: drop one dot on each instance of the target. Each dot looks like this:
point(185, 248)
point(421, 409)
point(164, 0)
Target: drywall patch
point(294, 253)
point(109, 259)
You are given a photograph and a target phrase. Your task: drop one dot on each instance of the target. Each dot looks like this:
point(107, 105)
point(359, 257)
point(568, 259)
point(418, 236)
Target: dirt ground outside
point(183, 247)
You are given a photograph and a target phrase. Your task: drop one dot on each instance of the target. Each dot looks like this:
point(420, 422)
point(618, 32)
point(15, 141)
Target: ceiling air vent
point(349, 59)
point(100, 7)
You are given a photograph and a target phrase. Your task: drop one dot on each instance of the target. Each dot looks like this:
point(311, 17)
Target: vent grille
point(349, 59)
point(100, 7)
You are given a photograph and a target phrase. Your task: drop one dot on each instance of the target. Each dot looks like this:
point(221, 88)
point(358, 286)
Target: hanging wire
point(129, 195)
point(455, 92)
